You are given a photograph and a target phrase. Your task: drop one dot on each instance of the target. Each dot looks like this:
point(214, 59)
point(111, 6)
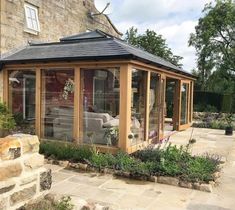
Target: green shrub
point(3, 109)
point(64, 204)
point(66, 151)
point(178, 162)
point(101, 160)
point(153, 155)
point(49, 204)
point(124, 161)
point(7, 121)
point(171, 161)
point(205, 108)
point(199, 169)
point(19, 118)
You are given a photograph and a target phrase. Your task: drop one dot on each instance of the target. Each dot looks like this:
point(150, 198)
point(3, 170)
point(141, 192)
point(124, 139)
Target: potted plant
point(7, 121)
point(229, 121)
point(112, 135)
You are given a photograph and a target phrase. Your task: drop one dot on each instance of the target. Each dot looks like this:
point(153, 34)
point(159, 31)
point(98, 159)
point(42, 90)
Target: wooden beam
point(188, 111)
point(192, 94)
point(162, 104)
point(107, 63)
point(62, 65)
point(77, 104)
point(125, 106)
point(167, 73)
point(38, 103)
point(180, 104)
point(6, 87)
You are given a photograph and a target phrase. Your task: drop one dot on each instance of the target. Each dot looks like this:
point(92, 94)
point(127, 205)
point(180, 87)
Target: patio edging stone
point(173, 181)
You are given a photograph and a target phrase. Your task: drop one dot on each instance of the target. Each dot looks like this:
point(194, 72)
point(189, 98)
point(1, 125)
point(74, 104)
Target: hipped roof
point(95, 45)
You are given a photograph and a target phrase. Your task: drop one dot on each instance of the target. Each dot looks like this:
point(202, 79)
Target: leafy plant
point(68, 88)
point(101, 160)
point(19, 119)
point(50, 204)
point(171, 161)
point(7, 121)
point(64, 204)
point(229, 119)
point(66, 151)
point(112, 135)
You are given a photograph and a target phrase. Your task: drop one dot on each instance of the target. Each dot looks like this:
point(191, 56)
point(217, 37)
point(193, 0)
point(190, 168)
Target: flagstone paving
point(128, 194)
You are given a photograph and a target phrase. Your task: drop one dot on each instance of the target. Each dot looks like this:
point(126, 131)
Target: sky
point(174, 19)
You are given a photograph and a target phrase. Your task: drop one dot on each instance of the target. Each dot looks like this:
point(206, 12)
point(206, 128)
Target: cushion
point(104, 116)
point(111, 123)
point(66, 111)
point(92, 124)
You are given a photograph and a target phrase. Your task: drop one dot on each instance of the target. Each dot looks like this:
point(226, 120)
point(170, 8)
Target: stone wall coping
point(23, 176)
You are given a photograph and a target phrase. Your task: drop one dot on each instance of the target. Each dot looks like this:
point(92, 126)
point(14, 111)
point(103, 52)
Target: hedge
point(213, 102)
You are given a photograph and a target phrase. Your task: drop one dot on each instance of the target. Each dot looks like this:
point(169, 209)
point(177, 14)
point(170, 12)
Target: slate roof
point(95, 45)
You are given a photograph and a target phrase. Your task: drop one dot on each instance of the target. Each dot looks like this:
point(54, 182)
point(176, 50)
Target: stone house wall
point(57, 18)
point(22, 175)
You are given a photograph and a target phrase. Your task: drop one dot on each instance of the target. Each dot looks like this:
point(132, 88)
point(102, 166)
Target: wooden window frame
point(125, 95)
point(189, 101)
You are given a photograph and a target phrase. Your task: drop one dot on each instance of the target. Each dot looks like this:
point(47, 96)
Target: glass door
point(154, 98)
point(185, 104)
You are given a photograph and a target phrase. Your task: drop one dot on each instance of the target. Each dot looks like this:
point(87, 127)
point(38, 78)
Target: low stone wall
point(22, 175)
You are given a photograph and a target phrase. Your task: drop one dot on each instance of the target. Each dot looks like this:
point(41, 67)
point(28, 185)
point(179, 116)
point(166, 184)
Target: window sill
point(36, 33)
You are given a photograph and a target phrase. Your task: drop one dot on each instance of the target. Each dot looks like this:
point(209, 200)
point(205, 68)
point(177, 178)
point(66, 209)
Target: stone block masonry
point(22, 175)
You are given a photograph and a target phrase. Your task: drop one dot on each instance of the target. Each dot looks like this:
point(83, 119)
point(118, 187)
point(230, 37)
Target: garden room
point(105, 98)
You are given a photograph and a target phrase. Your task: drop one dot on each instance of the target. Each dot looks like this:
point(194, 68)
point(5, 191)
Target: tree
point(214, 41)
point(153, 43)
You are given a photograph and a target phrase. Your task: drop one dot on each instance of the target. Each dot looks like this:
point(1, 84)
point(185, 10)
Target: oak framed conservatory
point(92, 88)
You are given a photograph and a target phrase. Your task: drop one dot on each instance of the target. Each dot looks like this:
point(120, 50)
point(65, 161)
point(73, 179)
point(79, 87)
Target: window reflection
point(138, 105)
point(22, 99)
point(184, 104)
point(154, 106)
point(57, 104)
point(100, 97)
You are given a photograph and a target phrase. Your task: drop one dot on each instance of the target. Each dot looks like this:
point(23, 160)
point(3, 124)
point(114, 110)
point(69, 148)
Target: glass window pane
point(33, 14)
point(35, 25)
point(100, 93)
point(138, 106)
point(22, 99)
point(31, 17)
point(28, 13)
point(162, 108)
point(57, 104)
point(184, 104)
point(154, 105)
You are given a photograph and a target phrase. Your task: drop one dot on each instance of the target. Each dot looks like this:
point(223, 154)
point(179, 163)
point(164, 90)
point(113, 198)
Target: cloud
point(174, 19)
point(177, 37)
point(154, 10)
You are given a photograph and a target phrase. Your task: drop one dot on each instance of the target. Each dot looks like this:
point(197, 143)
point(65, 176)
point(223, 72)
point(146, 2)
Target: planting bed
point(172, 165)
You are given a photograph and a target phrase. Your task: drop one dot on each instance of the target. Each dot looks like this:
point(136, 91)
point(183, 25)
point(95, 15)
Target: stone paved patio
point(137, 195)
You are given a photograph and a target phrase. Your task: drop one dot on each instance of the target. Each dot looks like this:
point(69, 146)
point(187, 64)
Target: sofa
point(95, 123)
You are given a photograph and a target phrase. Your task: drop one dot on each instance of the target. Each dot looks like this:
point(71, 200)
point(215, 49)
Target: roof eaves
point(176, 69)
point(67, 59)
point(164, 67)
